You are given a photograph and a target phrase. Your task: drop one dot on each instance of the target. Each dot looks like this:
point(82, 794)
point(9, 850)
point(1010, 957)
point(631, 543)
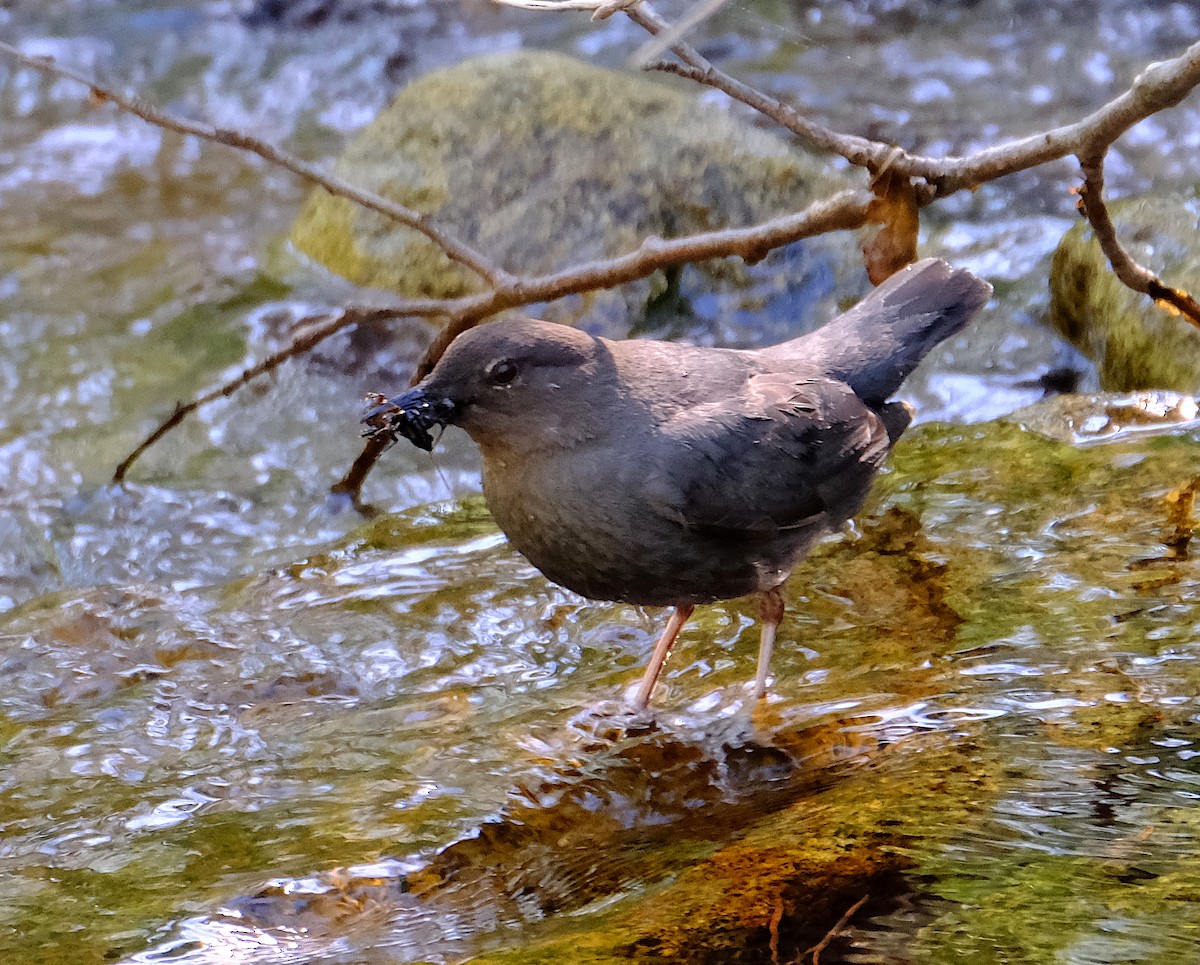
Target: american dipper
point(669, 475)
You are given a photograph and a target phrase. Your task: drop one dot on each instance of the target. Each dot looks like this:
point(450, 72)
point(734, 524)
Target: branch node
point(1125, 267)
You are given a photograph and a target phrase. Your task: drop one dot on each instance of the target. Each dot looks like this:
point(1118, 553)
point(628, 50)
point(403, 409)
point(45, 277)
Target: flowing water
point(240, 722)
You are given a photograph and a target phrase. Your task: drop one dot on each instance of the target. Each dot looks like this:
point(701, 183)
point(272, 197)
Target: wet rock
point(541, 161)
point(1108, 417)
point(650, 812)
point(798, 874)
point(1135, 343)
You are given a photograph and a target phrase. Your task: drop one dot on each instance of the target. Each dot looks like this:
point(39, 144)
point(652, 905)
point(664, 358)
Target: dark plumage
point(669, 475)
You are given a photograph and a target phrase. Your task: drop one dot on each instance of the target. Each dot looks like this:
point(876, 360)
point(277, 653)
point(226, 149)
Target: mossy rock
point(541, 161)
point(1135, 343)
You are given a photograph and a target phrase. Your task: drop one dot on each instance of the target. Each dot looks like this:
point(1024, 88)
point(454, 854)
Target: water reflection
point(214, 688)
point(620, 808)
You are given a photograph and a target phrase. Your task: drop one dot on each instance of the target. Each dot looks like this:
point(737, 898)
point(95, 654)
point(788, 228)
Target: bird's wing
point(780, 455)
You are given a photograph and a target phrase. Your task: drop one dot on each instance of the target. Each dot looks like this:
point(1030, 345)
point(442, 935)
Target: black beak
point(410, 415)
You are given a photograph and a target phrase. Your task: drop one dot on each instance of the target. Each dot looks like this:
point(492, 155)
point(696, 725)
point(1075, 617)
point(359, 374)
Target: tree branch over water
point(1158, 87)
point(1131, 274)
point(453, 248)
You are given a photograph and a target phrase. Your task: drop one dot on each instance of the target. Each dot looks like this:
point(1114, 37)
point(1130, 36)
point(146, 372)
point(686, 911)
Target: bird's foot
point(612, 721)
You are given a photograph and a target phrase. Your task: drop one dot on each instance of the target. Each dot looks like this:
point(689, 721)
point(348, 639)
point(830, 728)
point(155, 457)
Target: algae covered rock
point(1135, 343)
point(541, 161)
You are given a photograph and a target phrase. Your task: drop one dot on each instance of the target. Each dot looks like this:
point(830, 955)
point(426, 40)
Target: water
point(239, 722)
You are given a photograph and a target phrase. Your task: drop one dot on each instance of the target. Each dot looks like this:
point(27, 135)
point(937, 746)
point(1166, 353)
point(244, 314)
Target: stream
point(242, 722)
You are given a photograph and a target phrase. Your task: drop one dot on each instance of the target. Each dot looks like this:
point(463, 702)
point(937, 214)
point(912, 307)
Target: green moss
point(542, 161)
point(1135, 343)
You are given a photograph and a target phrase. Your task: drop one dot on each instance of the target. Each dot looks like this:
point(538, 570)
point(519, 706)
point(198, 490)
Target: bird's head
point(512, 384)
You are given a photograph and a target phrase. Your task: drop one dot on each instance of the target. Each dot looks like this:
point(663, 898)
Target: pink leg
point(771, 606)
point(662, 650)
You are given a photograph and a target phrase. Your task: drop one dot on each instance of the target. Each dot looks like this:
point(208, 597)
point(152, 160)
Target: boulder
point(542, 161)
point(1134, 342)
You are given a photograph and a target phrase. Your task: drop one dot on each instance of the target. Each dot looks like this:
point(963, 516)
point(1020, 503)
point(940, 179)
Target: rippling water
point(241, 723)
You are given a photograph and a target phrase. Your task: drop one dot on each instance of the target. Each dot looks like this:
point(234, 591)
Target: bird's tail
point(876, 345)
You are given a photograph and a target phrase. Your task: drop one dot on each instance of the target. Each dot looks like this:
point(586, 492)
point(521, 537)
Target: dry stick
point(843, 211)
point(830, 935)
point(1159, 86)
point(454, 249)
point(1124, 266)
point(351, 484)
point(693, 18)
point(301, 343)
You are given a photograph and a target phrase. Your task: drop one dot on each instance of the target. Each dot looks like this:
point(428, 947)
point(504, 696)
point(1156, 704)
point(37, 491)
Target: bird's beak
point(411, 415)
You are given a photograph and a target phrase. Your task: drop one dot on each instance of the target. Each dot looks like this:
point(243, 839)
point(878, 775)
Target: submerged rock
point(1135, 343)
point(1108, 417)
point(541, 162)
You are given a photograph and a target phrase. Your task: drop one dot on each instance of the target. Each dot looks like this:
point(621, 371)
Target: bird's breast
point(586, 524)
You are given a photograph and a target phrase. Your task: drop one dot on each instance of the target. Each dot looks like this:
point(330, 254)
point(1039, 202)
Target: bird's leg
point(662, 650)
point(771, 605)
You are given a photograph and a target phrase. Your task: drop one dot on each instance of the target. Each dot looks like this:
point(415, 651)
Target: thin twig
point(701, 11)
point(844, 210)
point(830, 935)
point(307, 339)
point(773, 930)
point(1158, 87)
point(455, 249)
point(351, 484)
point(1124, 265)
point(847, 209)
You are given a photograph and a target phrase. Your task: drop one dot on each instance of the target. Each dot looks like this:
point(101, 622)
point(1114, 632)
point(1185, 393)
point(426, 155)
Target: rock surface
point(542, 161)
point(1135, 343)
point(1086, 418)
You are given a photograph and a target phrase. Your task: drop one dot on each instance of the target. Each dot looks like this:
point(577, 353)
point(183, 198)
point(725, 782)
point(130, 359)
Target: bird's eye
point(501, 372)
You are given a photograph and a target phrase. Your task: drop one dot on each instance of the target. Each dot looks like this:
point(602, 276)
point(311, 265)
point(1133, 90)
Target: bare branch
point(845, 210)
point(1124, 266)
point(833, 933)
point(306, 339)
point(858, 150)
point(697, 15)
point(1158, 87)
point(351, 484)
point(455, 249)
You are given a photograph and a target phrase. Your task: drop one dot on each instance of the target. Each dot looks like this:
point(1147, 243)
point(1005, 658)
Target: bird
point(670, 475)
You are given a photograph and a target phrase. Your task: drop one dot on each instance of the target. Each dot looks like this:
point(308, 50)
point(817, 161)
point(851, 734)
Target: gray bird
point(669, 475)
